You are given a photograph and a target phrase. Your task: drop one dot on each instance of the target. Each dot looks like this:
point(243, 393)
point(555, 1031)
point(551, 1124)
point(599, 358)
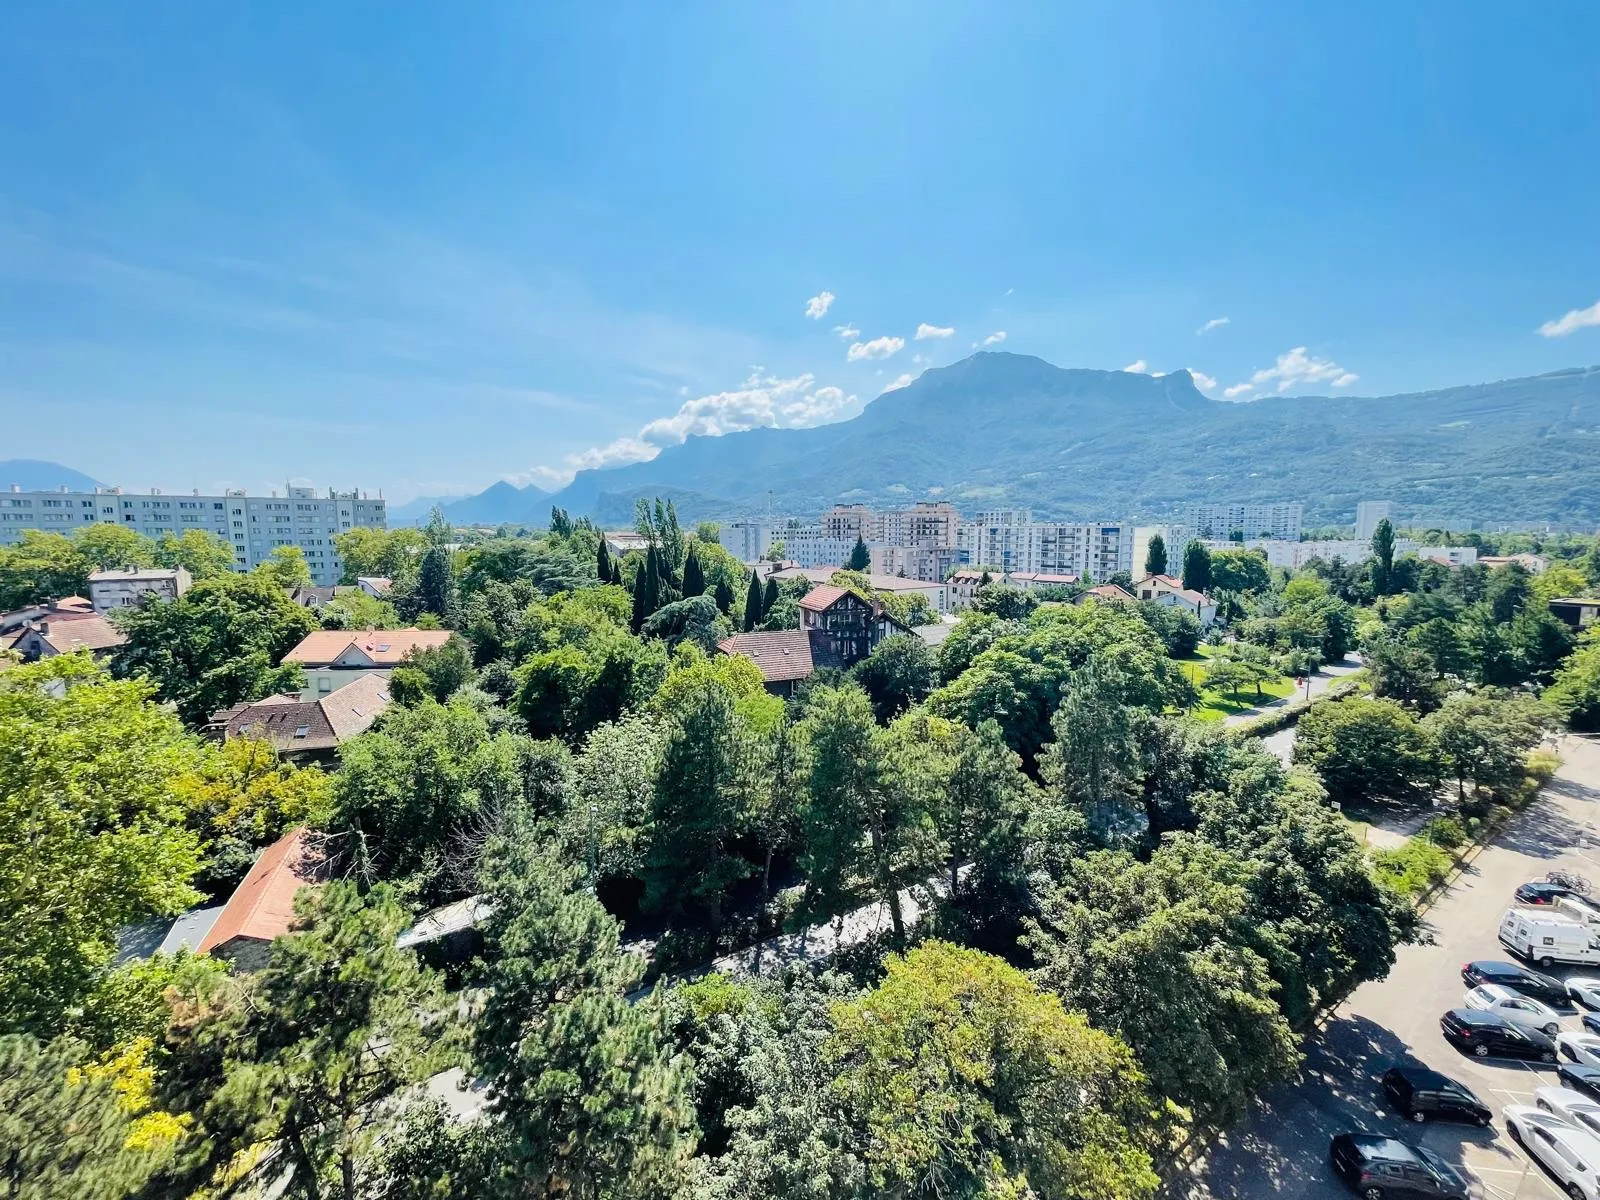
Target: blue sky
point(424, 246)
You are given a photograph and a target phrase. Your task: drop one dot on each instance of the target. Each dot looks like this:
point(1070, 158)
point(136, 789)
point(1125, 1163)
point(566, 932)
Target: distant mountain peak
point(37, 475)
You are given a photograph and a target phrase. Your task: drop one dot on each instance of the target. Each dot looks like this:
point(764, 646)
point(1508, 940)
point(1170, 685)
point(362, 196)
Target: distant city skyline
point(240, 242)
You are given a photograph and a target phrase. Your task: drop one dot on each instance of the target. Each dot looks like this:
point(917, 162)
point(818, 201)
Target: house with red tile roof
point(335, 657)
point(64, 632)
point(1169, 591)
point(309, 730)
point(262, 906)
point(837, 629)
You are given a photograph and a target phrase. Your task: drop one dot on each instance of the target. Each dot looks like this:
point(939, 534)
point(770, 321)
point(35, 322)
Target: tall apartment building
point(1001, 540)
point(1277, 522)
point(847, 522)
point(1011, 540)
point(253, 525)
point(746, 540)
point(1368, 514)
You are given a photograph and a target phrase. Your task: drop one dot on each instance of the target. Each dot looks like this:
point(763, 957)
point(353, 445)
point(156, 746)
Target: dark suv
point(1419, 1093)
point(1485, 1033)
point(1376, 1166)
point(1519, 979)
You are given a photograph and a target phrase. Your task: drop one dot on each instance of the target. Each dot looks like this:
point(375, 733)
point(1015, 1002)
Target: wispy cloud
point(1578, 318)
point(818, 305)
point(1201, 380)
point(847, 332)
point(1138, 367)
point(759, 402)
point(899, 383)
point(1214, 323)
point(881, 347)
point(933, 331)
point(1292, 369)
point(995, 338)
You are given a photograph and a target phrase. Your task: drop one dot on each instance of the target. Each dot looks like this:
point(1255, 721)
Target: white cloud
point(899, 383)
point(1214, 323)
point(881, 347)
point(847, 331)
point(818, 305)
point(1578, 318)
point(933, 331)
point(759, 402)
point(1138, 367)
point(548, 478)
point(1292, 369)
point(994, 339)
point(1201, 380)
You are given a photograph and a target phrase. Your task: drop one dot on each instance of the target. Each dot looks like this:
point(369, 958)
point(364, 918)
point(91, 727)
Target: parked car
point(1572, 1155)
point(1544, 988)
point(1514, 1006)
point(1421, 1093)
point(1579, 1048)
point(1591, 1022)
point(1580, 1077)
point(1375, 1167)
point(1542, 891)
point(1575, 1108)
point(1486, 1033)
point(1584, 990)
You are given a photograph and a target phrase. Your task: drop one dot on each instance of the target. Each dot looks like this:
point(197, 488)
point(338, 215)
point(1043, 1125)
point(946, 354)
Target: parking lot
point(1282, 1148)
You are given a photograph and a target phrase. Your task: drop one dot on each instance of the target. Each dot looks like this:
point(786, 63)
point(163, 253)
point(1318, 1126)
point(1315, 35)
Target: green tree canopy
point(198, 551)
point(113, 547)
point(42, 566)
point(1155, 555)
point(1367, 749)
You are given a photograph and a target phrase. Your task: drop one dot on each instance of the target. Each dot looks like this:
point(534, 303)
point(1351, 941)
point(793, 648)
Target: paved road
point(1281, 1150)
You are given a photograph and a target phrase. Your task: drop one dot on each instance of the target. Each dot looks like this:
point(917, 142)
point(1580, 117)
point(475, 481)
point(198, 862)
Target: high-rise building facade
point(1007, 540)
point(1368, 514)
point(253, 525)
point(1277, 522)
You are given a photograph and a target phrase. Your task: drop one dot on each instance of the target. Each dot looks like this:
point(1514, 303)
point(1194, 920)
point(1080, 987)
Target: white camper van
point(1547, 938)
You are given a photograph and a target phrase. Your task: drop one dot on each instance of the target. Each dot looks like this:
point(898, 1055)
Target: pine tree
point(602, 568)
point(1155, 557)
point(694, 580)
point(860, 557)
point(769, 597)
point(752, 603)
point(436, 585)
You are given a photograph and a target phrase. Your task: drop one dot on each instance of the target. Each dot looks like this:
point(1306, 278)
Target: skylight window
point(300, 731)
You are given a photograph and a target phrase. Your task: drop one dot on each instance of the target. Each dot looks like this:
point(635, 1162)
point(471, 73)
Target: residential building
point(254, 526)
point(1099, 549)
point(1295, 555)
point(930, 564)
point(1033, 581)
point(1581, 612)
point(75, 606)
point(811, 546)
point(1368, 514)
point(63, 633)
point(936, 594)
point(308, 729)
point(1107, 592)
point(926, 524)
point(963, 586)
point(125, 587)
point(747, 540)
point(376, 586)
point(333, 658)
point(837, 629)
point(315, 597)
point(1533, 564)
point(262, 906)
point(847, 522)
point(625, 541)
point(1001, 539)
point(1168, 590)
point(1276, 522)
point(1173, 537)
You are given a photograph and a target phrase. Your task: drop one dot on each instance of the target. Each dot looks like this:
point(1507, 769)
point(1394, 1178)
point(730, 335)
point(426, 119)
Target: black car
point(1542, 891)
point(1580, 1077)
point(1376, 1166)
point(1419, 1093)
point(1591, 1022)
point(1519, 979)
point(1486, 1033)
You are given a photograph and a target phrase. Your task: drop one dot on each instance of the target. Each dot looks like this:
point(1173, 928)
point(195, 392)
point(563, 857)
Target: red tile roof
point(385, 647)
point(783, 655)
point(823, 596)
point(1110, 591)
point(66, 632)
point(262, 907)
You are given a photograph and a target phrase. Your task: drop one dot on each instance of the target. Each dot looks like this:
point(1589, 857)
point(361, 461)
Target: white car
point(1585, 989)
point(1576, 1109)
point(1570, 1154)
point(1514, 1007)
point(1579, 1048)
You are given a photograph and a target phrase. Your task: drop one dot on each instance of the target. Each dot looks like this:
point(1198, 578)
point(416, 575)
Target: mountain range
point(36, 475)
point(1008, 430)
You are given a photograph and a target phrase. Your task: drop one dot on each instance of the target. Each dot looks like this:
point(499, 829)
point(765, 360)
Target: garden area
point(1232, 679)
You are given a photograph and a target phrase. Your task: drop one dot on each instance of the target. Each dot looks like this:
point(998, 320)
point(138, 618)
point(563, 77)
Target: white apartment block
point(1277, 522)
point(924, 524)
point(1010, 540)
point(1295, 555)
point(125, 587)
point(1368, 514)
point(811, 546)
point(928, 564)
point(253, 525)
point(747, 540)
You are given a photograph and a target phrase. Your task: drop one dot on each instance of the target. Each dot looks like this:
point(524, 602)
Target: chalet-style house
point(837, 629)
point(1168, 591)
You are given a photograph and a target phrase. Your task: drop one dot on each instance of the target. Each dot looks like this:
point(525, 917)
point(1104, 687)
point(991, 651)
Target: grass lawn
point(1214, 705)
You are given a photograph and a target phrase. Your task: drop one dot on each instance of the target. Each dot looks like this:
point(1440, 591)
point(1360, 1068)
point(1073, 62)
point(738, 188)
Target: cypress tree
point(752, 603)
point(616, 573)
point(640, 612)
point(652, 581)
point(1196, 566)
point(602, 568)
point(860, 556)
point(771, 596)
point(722, 593)
point(1155, 557)
point(694, 579)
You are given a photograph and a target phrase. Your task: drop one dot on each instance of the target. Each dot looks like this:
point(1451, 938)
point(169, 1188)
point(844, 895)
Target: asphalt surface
point(1281, 1149)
